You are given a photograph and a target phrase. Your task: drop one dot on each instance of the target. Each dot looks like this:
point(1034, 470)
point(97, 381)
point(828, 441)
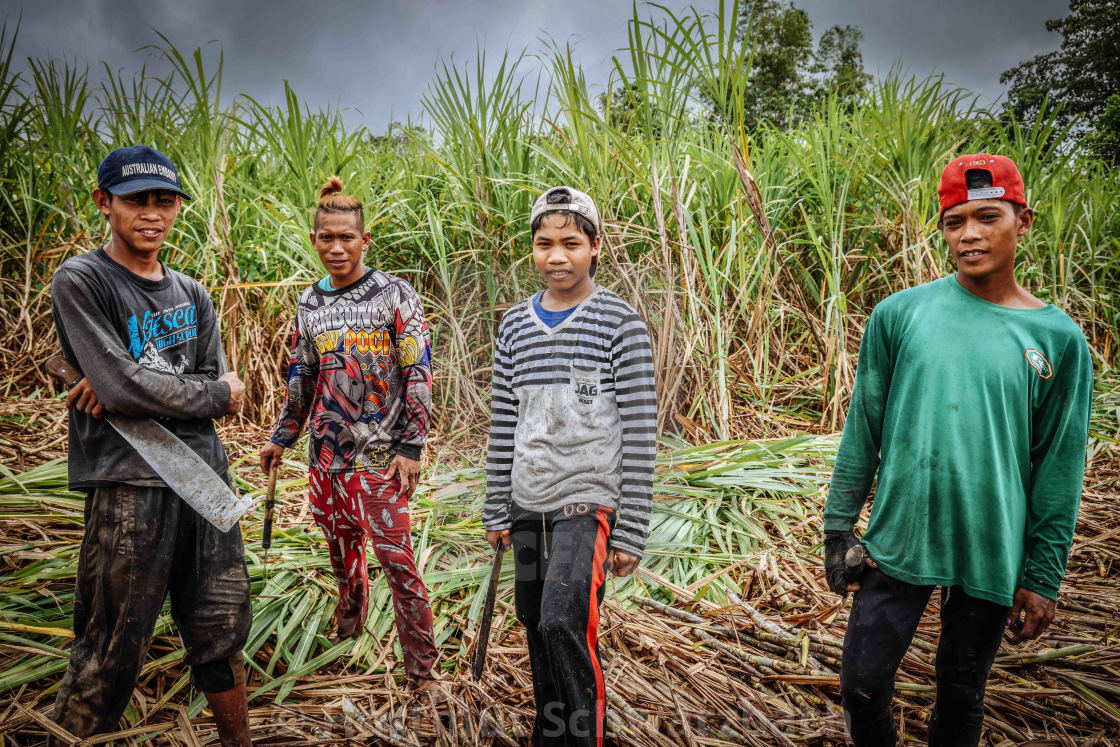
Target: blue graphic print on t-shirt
point(155, 332)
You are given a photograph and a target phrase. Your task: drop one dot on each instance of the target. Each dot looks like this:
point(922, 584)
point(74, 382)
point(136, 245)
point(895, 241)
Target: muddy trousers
point(140, 544)
point(885, 613)
point(560, 561)
point(351, 508)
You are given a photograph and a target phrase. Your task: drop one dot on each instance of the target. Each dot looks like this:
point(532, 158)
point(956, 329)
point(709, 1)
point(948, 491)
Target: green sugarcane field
point(754, 248)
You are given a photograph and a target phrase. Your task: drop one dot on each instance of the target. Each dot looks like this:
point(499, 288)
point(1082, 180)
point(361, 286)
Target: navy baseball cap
point(138, 168)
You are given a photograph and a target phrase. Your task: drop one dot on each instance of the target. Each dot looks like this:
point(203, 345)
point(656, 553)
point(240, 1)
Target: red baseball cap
point(1007, 182)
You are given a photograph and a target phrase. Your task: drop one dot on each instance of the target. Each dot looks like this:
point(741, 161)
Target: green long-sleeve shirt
point(976, 417)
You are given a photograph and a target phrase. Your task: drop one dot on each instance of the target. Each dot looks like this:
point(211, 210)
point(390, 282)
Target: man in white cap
point(569, 471)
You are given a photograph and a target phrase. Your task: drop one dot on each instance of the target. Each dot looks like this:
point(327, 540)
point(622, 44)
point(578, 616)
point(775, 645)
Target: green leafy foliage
point(1082, 77)
point(839, 63)
point(715, 503)
point(781, 40)
point(754, 251)
point(786, 74)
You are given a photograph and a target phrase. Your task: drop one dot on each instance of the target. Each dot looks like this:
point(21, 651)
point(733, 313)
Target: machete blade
point(185, 472)
point(483, 639)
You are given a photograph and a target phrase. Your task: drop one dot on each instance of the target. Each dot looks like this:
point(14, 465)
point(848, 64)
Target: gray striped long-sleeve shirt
point(574, 416)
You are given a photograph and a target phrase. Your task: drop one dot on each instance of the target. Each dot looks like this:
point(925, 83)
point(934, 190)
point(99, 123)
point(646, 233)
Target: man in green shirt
point(971, 401)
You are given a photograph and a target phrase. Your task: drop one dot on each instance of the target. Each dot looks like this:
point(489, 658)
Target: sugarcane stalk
point(760, 620)
point(779, 665)
point(1108, 687)
point(635, 718)
point(795, 644)
point(1048, 655)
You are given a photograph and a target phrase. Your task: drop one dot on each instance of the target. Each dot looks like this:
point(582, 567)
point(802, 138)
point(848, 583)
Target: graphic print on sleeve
point(360, 370)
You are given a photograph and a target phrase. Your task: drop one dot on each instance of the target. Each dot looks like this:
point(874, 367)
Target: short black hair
point(561, 196)
point(977, 179)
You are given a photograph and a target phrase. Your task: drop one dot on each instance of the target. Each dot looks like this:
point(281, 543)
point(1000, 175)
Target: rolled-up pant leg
point(885, 613)
point(139, 541)
point(123, 571)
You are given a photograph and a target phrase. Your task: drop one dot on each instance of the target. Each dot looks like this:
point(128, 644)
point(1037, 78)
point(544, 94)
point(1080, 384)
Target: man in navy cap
point(146, 338)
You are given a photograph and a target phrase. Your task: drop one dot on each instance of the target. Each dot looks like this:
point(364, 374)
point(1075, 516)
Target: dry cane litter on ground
point(727, 635)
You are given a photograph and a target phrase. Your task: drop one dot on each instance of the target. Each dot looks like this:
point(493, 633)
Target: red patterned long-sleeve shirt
point(361, 370)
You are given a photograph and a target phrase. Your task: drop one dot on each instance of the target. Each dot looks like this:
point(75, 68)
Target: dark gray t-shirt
point(149, 348)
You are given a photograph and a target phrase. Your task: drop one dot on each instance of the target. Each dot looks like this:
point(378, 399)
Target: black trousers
point(885, 613)
point(560, 560)
point(141, 543)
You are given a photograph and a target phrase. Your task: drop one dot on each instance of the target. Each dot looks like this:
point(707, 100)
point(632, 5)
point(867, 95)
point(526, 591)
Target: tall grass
point(753, 254)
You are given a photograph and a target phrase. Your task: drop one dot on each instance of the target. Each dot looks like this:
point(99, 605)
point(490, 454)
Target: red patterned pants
point(351, 507)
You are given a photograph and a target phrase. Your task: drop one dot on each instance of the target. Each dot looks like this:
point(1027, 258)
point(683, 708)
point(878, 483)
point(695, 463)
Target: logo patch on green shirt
point(1038, 363)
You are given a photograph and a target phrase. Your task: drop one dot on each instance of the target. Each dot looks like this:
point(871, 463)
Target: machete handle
point(269, 503)
point(854, 562)
point(63, 370)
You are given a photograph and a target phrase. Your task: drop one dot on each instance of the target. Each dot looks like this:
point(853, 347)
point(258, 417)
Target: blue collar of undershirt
point(550, 318)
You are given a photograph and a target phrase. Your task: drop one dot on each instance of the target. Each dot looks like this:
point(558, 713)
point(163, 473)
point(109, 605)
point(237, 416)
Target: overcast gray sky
point(377, 57)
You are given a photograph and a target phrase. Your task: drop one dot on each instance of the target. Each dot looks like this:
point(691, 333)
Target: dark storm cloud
point(971, 41)
point(377, 58)
point(374, 57)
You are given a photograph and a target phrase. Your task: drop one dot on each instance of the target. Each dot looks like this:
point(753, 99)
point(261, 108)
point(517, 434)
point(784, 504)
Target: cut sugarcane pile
point(725, 636)
point(745, 673)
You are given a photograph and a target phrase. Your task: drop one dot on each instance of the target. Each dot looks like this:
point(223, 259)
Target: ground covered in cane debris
point(726, 635)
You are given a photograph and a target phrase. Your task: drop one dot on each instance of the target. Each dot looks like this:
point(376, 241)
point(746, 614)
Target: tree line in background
point(1079, 83)
point(757, 204)
point(784, 75)
point(1082, 77)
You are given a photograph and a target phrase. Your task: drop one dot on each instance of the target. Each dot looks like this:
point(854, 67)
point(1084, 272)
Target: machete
point(483, 639)
point(269, 504)
point(185, 472)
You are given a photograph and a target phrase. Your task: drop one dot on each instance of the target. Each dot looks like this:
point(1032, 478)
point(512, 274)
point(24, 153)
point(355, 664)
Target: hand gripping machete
point(185, 472)
point(855, 560)
point(483, 640)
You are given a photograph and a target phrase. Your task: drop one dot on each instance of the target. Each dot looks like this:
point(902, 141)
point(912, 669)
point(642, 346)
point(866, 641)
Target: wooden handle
point(271, 494)
point(269, 502)
point(63, 370)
